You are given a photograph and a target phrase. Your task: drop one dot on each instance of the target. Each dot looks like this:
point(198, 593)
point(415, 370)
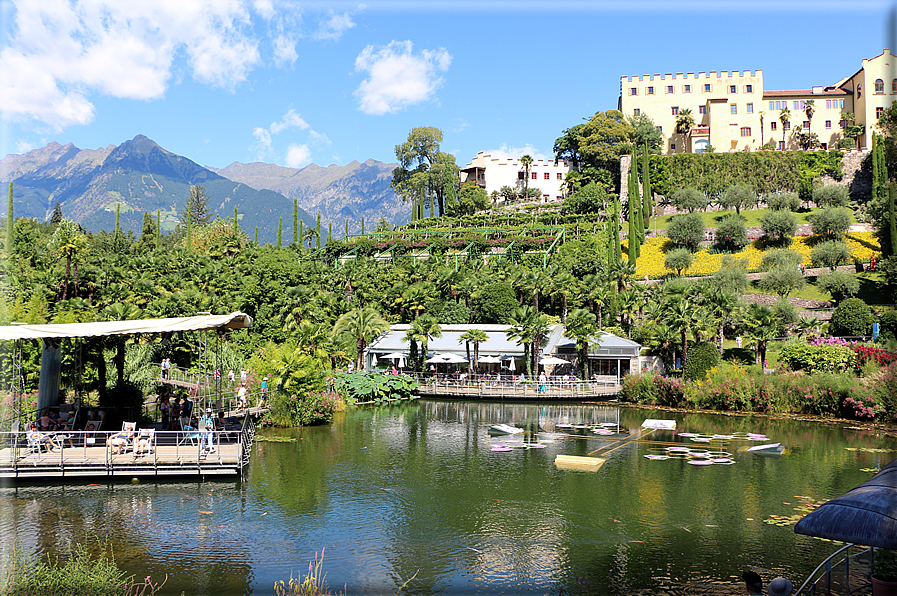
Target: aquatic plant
point(311, 585)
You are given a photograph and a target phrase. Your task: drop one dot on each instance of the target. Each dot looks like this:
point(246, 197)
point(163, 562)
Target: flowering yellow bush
point(862, 245)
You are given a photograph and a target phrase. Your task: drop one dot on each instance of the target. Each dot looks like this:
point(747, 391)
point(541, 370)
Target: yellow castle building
point(732, 111)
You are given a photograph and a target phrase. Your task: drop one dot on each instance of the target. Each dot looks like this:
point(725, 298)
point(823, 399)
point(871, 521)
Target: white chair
point(145, 442)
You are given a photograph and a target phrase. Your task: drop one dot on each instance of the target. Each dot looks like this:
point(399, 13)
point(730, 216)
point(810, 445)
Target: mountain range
point(140, 176)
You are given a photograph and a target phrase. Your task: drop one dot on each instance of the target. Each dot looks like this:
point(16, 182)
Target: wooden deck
point(174, 454)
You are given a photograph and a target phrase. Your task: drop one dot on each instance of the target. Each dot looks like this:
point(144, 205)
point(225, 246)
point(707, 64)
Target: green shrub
point(840, 284)
point(782, 281)
point(852, 317)
point(639, 389)
point(831, 223)
point(782, 201)
point(686, 231)
point(797, 354)
point(888, 325)
point(590, 198)
point(778, 226)
point(679, 259)
point(361, 386)
point(831, 195)
point(731, 233)
point(701, 358)
point(738, 197)
point(831, 254)
point(689, 199)
point(781, 258)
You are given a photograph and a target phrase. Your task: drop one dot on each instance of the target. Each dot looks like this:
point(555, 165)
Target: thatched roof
point(864, 515)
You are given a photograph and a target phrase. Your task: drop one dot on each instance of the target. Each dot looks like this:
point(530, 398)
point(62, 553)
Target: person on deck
point(165, 408)
point(42, 439)
point(119, 441)
point(263, 399)
point(186, 411)
point(209, 423)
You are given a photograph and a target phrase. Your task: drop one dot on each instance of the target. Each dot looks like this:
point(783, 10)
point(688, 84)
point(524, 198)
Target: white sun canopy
point(235, 320)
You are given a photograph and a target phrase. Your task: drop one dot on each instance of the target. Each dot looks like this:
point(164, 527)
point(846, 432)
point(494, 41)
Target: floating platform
point(578, 462)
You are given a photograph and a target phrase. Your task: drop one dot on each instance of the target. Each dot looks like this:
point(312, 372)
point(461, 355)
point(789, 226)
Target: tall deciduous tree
point(425, 175)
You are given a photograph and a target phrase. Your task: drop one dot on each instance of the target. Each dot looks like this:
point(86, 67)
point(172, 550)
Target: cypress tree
point(301, 235)
point(158, 229)
point(618, 249)
point(362, 223)
point(635, 205)
point(9, 222)
point(236, 221)
point(632, 236)
point(647, 191)
point(347, 229)
point(256, 235)
point(295, 220)
point(329, 231)
point(892, 215)
point(189, 230)
point(280, 232)
point(117, 214)
point(881, 197)
point(318, 228)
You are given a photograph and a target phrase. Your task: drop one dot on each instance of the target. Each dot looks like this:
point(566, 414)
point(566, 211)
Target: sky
point(294, 83)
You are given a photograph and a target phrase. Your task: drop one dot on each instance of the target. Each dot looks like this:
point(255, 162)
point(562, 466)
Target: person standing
point(243, 375)
point(165, 408)
point(263, 400)
point(230, 378)
point(186, 411)
point(208, 421)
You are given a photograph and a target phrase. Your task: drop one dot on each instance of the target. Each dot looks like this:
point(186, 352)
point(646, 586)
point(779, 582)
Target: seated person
point(219, 421)
point(42, 439)
point(46, 421)
point(144, 438)
point(90, 429)
point(119, 440)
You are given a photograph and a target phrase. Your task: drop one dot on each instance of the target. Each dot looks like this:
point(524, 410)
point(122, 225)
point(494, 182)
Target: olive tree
point(731, 233)
point(840, 284)
point(830, 254)
point(831, 195)
point(781, 258)
point(779, 226)
point(689, 199)
point(686, 230)
point(782, 281)
point(782, 201)
point(738, 197)
point(679, 259)
point(831, 223)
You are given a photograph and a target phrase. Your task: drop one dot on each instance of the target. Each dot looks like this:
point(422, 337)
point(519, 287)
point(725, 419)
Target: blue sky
point(293, 83)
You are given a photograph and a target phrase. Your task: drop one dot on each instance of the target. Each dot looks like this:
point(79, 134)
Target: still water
point(416, 491)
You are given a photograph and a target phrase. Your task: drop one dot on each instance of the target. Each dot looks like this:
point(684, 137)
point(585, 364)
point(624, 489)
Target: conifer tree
point(362, 225)
point(189, 229)
point(236, 221)
point(279, 232)
point(301, 235)
point(647, 191)
point(117, 215)
point(256, 235)
point(158, 229)
point(9, 222)
point(295, 220)
point(329, 231)
point(346, 237)
point(318, 227)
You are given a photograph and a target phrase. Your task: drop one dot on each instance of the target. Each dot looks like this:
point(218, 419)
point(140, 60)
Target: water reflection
point(415, 489)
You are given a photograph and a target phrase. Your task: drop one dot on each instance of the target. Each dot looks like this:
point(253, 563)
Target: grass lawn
point(751, 216)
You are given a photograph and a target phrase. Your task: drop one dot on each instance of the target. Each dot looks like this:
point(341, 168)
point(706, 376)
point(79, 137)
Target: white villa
point(492, 173)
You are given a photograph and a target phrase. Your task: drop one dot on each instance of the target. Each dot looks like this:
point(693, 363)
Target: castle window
point(733, 109)
point(633, 91)
point(650, 91)
point(879, 86)
point(547, 176)
point(733, 89)
point(669, 88)
point(707, 88)
point(806, 125)
point(675, 110)
point(686, 88)
point(879, 111)
point(702, 109)
point(894, 86)
point(560, 176)
point(750, 108)
point(748, 88)
point(534, 176)
point(772, 106)
point(786, 125)
point(828, 124)
point(773, 125)
point(745, 131)
point(636, 112)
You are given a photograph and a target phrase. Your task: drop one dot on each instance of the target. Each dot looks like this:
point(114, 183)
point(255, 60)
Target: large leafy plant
point(365, 387)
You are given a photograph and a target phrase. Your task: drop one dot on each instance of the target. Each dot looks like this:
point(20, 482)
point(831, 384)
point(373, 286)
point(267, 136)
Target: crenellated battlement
point(690, 76)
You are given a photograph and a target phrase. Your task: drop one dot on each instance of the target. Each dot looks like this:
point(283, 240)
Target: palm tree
point(526, 162)
point(361, 325)
point(68, 240)
point(809, 110)
point(720, 305)
point(476, 336)
point(784, 118)
point(310, 235)
point(680, 314)
point(763, 325)
point(581, 326)
point(684, 123)
point(425, 328)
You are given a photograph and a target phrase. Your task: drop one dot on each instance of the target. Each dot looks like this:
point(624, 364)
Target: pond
point(415, 491)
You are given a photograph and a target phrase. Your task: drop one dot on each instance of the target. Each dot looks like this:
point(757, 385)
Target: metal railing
point(509, 388)
point(849, 575)
point(83, 453)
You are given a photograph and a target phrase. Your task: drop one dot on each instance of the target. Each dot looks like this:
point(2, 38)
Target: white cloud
point(61, 52)
point(298, 156)
point(263, 147)
point(284, 50)
point(512, 153)
point(290, 119)
point(334, 26)
point(397, 78)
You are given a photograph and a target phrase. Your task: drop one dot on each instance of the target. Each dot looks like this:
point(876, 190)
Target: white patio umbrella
point(392, 356)
point(489, 359)
point(437, 359)
point(453, 358)
point(512, 366)
point(552, 360)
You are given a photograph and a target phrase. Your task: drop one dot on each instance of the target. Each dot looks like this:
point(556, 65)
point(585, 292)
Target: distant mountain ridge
point(338, 193)
point(144, 177)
